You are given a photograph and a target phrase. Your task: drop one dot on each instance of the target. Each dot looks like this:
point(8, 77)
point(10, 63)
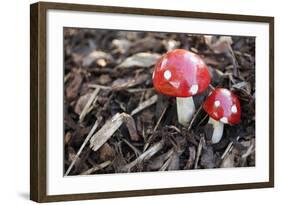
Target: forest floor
point(114, 120)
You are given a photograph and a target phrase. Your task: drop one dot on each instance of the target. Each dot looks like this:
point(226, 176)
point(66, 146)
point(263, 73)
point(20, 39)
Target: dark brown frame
point(38, 101)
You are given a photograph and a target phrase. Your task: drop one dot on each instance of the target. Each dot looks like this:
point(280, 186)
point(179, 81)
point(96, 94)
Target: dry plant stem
point(168, 161)
point(82, 147)
point(212, 87)
point(96, 168)
point(131, 90)
point(199, 150)
point(194, 117)
point(185, 109)
point(136, 151)
point(146, 155)
point(249, 151)
point(228, 148)
point(145, 104)
point(160, 118)
point(88, 104)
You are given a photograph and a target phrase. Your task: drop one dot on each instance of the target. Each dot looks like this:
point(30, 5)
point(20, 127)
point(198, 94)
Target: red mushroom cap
point(181, 73)
point(224, 106)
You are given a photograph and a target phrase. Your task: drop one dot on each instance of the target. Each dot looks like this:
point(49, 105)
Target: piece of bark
point(108, 129)
point(130, 123)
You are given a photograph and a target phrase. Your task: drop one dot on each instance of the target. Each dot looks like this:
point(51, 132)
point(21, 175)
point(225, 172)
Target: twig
point(146, 155)
point(132, 90)
point(212, 87)
point(228, 148)
point(96, 168)
point(249, 151)
point(194, 117)
point(168, 161)
point(175, 128)
point(82, 147)
point(160, 118)
point(204, 118)
point(91, 101)
point(136, 151)
point(166, 164)
point(145, 104)
point(199, 150)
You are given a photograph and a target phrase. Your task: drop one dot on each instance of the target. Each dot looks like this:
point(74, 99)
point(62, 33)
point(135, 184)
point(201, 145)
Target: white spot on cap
point(193, 89)
point(226, 92)
point(167, 75)
point(193, 59)
point(153, 74)
point(217, 103)
point(234, 109)
point(175, 84)
point(224, 120)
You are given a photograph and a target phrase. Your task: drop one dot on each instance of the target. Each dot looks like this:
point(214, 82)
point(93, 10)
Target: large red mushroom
point(223, 107)
point(181, 74)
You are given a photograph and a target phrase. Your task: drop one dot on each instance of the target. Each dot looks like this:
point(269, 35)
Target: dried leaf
point(94, 56)
point(67, 137)
point(122, 83)
point(140, 60)
point(82, 101)
point(175, 162)
point(121, 45)
point(104, 79)
point(148, 43)
point(207, 157)
point(222, 45)
point(170, 44)
point(106, 152)
point(73, 86)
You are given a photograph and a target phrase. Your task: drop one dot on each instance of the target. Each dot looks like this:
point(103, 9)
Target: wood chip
point(108, 129)
point(131, 125)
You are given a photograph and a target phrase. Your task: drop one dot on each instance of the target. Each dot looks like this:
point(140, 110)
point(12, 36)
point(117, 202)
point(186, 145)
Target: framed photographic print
point(134, 102)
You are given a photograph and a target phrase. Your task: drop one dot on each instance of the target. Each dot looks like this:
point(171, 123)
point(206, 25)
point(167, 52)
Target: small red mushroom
point(223, 107)
point(181, 74)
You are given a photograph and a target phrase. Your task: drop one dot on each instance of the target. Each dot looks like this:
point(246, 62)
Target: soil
point(108, 74)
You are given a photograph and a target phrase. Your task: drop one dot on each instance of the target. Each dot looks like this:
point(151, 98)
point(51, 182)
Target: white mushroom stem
point(218, 130)
point(185, 109)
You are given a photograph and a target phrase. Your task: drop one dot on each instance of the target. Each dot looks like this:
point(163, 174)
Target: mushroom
point(223, 107)
point(181, 74)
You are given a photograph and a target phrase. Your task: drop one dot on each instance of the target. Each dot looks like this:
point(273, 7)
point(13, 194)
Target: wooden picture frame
point(38, 101)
